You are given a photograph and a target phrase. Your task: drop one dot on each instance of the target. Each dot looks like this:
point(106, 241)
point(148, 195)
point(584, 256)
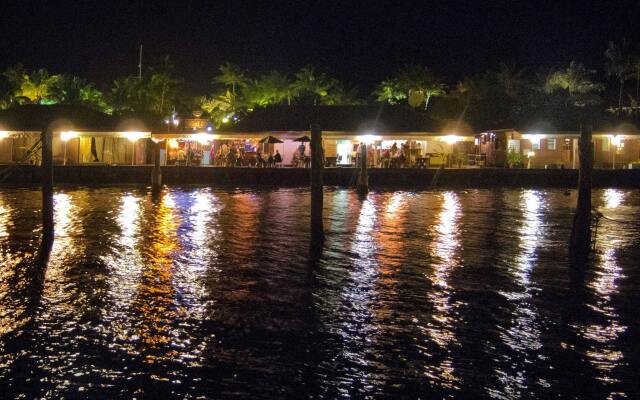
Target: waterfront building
point(553, 145)
point(80, 136)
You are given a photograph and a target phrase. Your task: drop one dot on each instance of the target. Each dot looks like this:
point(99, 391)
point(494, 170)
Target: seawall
point(27, 175)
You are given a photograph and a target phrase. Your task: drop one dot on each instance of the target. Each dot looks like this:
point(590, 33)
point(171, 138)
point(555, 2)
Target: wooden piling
point(580, 241)
point(362, 185)
point(156, 174)
point(47, 186)
point(317, 229)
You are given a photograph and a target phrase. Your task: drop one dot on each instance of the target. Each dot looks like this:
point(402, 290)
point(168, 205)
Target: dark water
point(210, 293)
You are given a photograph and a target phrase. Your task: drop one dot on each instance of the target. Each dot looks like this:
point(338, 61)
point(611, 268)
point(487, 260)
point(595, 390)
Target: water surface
point(211, 293)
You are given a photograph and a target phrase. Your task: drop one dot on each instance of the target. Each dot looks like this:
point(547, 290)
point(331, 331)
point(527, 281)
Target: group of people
point(272, 160)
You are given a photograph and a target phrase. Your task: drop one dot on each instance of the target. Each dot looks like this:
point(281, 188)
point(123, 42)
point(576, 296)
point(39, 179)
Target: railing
point(5, 173)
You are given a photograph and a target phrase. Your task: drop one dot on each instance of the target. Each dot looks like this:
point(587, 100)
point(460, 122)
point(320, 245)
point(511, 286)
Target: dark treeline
point(496, 98)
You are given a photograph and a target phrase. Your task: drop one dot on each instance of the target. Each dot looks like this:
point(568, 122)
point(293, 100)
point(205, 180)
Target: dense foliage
point(496, 98)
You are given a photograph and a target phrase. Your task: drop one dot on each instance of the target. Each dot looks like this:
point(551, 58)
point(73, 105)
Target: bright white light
point(176, 122)
point(451, 139)
point(203, 138)
point(133, 136)
point(531, 154)
point(616, 140)
point(225, 120)
point(4, 134)
point(534, 136)
point(68, 135)
point(209, 128)
point(157, 140)
point(368, 138)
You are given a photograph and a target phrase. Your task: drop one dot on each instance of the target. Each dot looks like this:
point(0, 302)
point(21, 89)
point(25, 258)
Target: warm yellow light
point(225, 120)
point(173, 143)
point(157, 140)
point(133, 136)
point(68, 135)
point(4, 134)
point(203, 138)
point(368, 139)
point(451, 139)
point(531, 154)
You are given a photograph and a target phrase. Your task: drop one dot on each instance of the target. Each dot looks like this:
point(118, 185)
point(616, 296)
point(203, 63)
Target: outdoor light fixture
point(157, 140)
point(176, 121)
point(203, 138)
point(225, 120)
point(451, 139)
point(616, 140)
point(368, 138)
point(68, 135)
point(531, 154)
point(4, 134)
point(133, 136)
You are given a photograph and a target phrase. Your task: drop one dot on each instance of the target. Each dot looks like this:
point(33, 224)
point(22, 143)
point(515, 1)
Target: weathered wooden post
point(317, 230)
point(362, 185)
point(156, 174)
point(580, 241)
point(47, 186)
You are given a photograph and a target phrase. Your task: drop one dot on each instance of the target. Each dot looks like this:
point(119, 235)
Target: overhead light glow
point(531, 154)
point(225, 120)
point(203, 138)
point(4, 134)
point(368, 138)
point(133, 136)
point(534, 136)
point(451, 139)
point(68, 135)
point(616, 140)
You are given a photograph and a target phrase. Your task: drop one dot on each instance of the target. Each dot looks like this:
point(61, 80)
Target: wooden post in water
point(363, 177)
point(317, 230)
point(156, 175)
point(580, 241)
point(47, 186)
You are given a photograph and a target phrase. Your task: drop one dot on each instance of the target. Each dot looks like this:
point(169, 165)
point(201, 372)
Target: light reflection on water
point(603, 333)
point(211, 293)
point(440, 327)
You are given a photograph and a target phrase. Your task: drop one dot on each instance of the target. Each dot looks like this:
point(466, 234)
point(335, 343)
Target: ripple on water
point(205, 292)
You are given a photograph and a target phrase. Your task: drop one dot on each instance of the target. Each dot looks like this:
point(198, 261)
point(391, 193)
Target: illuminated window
point(535, 144)
point(513, 146)
point(551, 144)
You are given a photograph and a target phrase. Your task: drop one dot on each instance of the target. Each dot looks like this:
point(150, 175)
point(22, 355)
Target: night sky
point(361, 42)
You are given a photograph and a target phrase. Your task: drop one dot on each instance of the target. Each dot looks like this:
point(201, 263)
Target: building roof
point(603, 123)
point(36, 117)
point(380, 119)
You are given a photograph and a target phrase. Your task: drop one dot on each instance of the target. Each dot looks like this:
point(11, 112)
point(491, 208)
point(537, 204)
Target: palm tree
point(409, 80)
point(37, 85)
point(311, 84)
point(510, 79)
point(341, 95)
point(389, 91)
point(74, 90)
point(278, 85)
point(231, 75)
point(13, 78)
point(619, 65)
point(577, 82)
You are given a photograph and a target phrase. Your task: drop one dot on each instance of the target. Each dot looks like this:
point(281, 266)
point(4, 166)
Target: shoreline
point(102, 175)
